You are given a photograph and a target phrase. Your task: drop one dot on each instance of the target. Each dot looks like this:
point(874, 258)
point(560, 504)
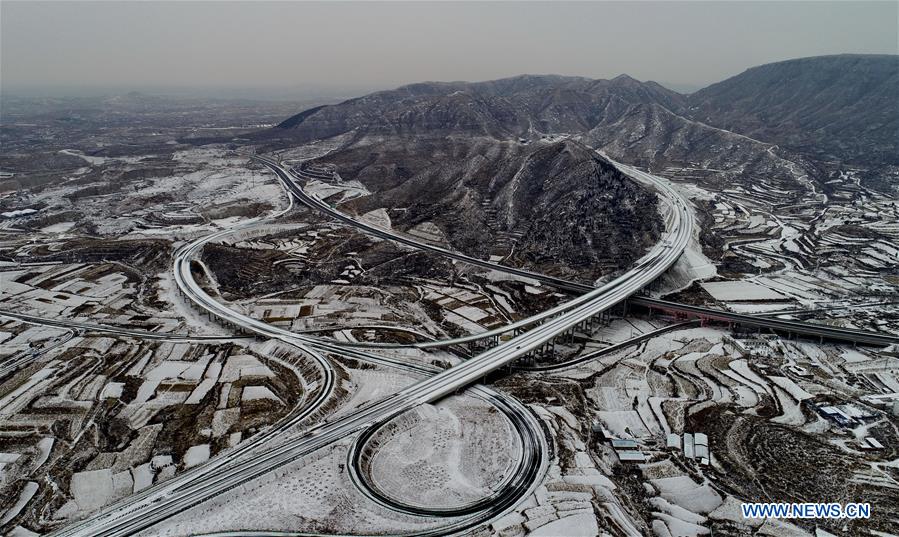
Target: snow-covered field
point(447, 455)
point(173, 406)
point(740, 291)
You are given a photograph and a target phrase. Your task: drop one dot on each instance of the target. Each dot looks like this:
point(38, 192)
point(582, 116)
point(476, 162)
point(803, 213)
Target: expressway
point(128, 517)
point(795, 327)
point(159, 503)
point(162, 502)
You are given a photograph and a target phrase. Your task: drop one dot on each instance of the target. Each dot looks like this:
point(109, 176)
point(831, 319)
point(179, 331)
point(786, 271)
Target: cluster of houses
point(849, 415)
point(695, 446)
point(845, 415)
point(628, 450)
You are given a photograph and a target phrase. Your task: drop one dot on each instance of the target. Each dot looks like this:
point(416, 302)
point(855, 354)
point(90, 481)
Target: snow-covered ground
point(447, 455)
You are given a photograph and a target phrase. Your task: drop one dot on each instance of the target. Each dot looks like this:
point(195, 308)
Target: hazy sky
point(371, 45)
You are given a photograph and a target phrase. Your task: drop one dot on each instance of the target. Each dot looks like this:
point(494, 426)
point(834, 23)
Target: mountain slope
point(638, 122)
point(829, 108)
point(843, 107)
point(556, 206)
point(507, 108)
point(483, 162)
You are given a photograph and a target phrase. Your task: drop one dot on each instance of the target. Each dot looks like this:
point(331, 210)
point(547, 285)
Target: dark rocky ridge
point(514, 107)
point(559, 206)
